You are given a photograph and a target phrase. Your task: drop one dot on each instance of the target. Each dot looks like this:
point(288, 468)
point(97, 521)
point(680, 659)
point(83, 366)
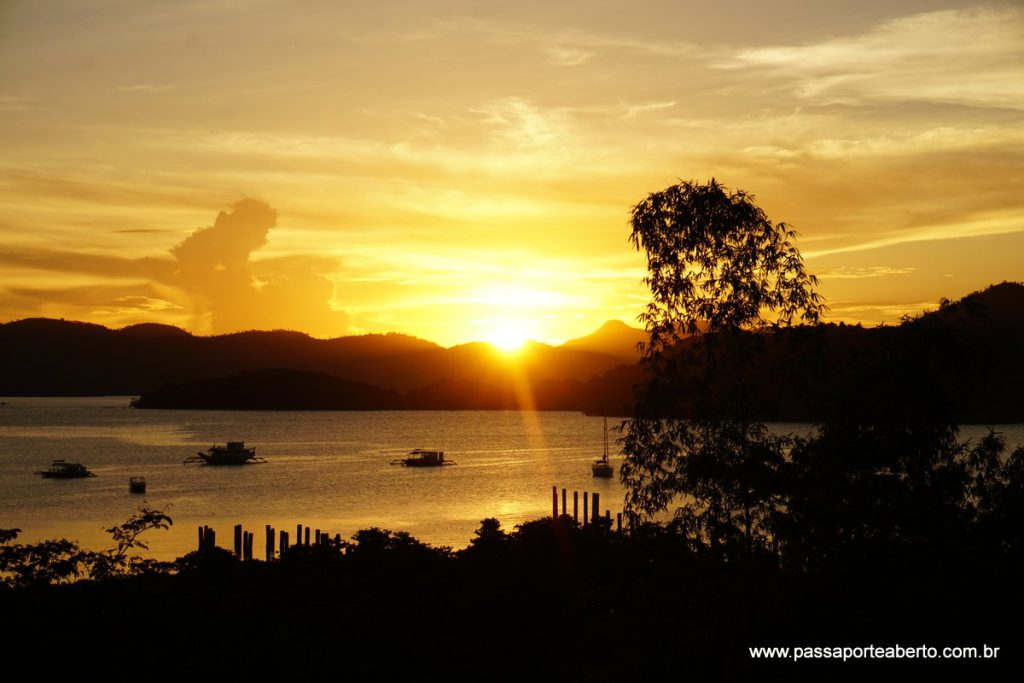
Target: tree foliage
point(715, 263)
point(63, 561)
point(719, 272)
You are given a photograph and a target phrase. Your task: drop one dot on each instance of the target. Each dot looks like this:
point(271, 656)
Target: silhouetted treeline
point(963, 363)
point(549, 598)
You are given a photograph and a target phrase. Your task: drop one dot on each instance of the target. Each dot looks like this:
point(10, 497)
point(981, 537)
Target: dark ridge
point(153, 331)
point(964, 360)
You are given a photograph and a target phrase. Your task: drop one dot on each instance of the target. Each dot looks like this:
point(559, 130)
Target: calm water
point(328, 470)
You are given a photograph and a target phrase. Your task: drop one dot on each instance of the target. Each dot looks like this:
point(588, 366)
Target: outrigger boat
point(422, 458)
point(234, 453)
point(602, 468)
point(65, 470)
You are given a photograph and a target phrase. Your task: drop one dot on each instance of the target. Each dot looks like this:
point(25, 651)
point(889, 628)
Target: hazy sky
point(452, 169)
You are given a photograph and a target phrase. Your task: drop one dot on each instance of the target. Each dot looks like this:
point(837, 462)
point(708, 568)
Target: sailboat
point(602, 468)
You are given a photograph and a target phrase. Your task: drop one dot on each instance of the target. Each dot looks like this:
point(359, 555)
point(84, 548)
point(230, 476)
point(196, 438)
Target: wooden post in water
point(554, 502)
point(269, 545)
point(202, 538)
point(211, 537)
point(586, 507)
point(283, 545)
point(307, 535)
point(317, 537)
point(298, 534)
point(618, 522)
point(576, 506)
point(596, 501)
point(238, 541)
point(563, 502)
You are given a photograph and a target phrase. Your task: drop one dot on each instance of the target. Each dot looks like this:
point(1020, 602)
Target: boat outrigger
point(422, 458)
point(234, 453)
point(60, 469)
point(602, 468)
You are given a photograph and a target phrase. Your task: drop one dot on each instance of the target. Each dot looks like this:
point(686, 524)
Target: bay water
point(328, 470)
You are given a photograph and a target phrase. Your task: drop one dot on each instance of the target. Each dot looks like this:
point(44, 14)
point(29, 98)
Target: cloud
point(14, 103)
point(210, 283)
point(635, 110)
point(860, 273)
point(973, 57)
point(569, 56)
point(213, 265)
point(524, 123)
point(142, 88)
point(887, 312)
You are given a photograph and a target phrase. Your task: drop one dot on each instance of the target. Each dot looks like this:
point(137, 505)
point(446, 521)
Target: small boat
point(602, 468)
point(422, 458)
point(137, 485)
point(65, 470)
point(233, 453)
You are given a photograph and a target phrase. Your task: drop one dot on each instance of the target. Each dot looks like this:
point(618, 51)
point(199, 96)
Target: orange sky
point(461, 170)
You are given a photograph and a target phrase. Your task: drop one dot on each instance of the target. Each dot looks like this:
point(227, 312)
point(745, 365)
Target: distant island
point(968, 353)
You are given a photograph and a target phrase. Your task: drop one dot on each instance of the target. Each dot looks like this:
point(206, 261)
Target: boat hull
point(63, 475)
point(235, 453)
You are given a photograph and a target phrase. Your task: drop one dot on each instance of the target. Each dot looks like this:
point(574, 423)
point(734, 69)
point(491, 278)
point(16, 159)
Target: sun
point(507, 336)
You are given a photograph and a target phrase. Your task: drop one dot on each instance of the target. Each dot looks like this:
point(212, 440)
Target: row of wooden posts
point(589, 513)
point(244, 540)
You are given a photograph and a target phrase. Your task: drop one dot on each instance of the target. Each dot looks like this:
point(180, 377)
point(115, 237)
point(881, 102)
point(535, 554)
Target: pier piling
point(586, 507)
point(596, 501)
point(576, 506)
point(238, 540)
point(563, 502)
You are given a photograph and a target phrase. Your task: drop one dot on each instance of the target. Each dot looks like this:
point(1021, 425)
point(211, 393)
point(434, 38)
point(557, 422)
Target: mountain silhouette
point(44, 357)
point(963, 362)
point(614, 338)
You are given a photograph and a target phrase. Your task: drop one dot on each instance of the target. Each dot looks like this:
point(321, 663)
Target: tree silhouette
point(720, 272)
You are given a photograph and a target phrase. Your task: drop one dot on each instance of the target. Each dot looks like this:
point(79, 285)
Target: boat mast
point(605, 458)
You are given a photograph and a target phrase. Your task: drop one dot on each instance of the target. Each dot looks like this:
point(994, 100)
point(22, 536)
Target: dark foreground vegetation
point(863, 555)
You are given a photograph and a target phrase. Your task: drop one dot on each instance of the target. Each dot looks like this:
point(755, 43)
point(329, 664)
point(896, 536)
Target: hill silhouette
point(44, 357)
point(963, 363)
point(964, 360)
point(614, 338)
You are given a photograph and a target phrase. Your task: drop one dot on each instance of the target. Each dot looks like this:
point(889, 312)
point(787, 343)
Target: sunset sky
point(464, 170)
